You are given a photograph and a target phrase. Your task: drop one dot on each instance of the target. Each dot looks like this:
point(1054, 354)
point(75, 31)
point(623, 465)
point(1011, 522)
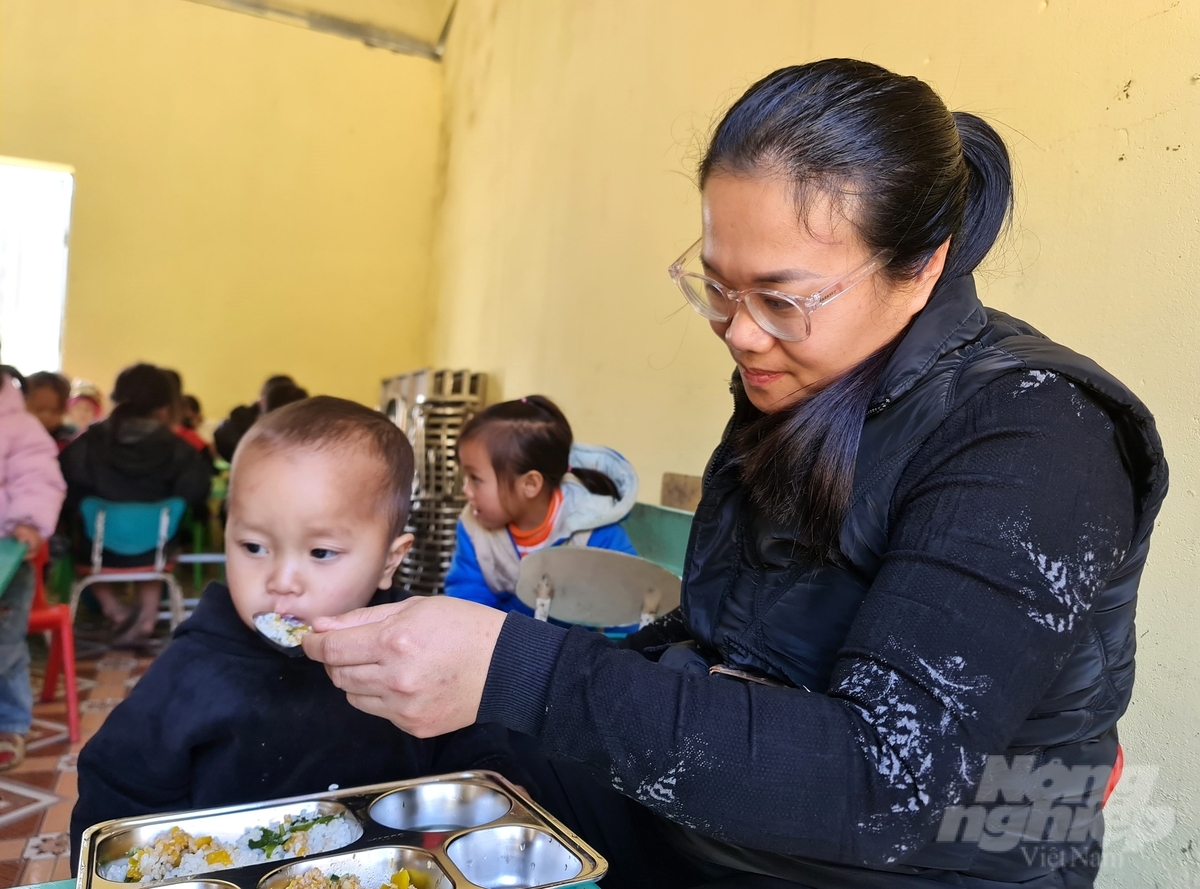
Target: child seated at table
point(132, 456)
point(319, 496)
point(529, 486)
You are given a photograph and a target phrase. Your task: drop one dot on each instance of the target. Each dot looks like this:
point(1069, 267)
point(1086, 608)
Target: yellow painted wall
point(570, 134)
point(251, 198)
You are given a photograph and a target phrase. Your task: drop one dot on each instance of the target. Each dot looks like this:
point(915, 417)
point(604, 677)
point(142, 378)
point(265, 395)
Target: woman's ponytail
point(989, 194)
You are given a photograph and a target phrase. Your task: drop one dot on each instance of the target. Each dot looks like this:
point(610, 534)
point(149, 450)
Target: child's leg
point(109, 604)
point(149, 595)
point(16, 698)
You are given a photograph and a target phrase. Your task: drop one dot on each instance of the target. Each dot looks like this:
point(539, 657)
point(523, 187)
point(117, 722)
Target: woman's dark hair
point(531, 434)
point(140, 390)
point(908, 175)
point(45, 379)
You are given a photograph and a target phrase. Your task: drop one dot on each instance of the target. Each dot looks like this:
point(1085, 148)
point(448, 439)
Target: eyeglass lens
point(777, 316)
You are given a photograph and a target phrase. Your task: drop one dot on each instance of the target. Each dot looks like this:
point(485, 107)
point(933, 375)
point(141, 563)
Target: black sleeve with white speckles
point(1005, 525)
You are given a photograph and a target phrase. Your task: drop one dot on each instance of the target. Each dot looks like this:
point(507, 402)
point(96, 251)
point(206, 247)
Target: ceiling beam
point(383, 38)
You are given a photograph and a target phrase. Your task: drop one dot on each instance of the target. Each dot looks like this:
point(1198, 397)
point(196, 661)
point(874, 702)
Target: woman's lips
point(759, 379)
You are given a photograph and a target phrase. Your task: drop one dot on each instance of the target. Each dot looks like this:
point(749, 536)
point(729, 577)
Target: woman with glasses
point(907, 631)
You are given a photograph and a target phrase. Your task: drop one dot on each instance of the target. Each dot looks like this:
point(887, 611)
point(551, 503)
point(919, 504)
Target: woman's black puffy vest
point(748, 603)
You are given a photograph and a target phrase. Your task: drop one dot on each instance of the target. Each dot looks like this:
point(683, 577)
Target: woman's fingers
point(422, 666)
point(358, 617)
point(360, 679)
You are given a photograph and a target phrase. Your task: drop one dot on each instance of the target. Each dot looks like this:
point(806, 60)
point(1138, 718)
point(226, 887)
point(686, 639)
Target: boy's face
point(43, 403)
point(308, 533)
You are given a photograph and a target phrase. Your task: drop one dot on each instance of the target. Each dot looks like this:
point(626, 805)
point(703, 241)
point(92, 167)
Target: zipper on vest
point(876, 408)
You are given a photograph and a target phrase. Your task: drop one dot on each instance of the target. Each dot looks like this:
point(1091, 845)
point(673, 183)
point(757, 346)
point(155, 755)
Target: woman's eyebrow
point(783, 276)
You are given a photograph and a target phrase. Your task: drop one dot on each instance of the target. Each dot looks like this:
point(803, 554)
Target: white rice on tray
point(175, 853)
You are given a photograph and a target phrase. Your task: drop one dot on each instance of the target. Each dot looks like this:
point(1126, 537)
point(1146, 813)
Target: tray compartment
point(513, 855)
point(440, 807)
point(225, 827)
point(374, 867)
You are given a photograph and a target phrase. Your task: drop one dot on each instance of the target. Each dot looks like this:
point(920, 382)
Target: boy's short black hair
point(46, 379)
point(328, 422)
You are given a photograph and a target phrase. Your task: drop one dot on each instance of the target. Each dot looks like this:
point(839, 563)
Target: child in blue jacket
point(528, 486)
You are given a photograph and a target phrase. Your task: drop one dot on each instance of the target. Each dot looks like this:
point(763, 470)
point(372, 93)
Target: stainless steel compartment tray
point(469, 830)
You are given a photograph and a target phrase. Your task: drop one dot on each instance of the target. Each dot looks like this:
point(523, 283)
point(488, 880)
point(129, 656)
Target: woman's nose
point(743, 334)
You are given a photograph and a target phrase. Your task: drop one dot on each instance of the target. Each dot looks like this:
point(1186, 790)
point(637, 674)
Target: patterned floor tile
point(10, 872)
point(47, 845)
point(98, 705)
point(19, 801)
point(37, 797)
point(39, 870)
point(44, 733)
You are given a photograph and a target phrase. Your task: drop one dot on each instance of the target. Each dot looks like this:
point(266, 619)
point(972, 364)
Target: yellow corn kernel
point(203, 843)
point(220, 856)
point(400, 880)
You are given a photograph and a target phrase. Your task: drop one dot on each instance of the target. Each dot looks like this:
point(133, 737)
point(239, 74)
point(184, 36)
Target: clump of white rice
point(282, 629)
point(177, 853)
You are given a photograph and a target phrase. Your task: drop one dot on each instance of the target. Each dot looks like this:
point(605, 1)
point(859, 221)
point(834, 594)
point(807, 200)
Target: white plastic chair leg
point(175, 596)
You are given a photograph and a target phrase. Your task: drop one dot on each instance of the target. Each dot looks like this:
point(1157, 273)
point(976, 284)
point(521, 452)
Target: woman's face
point(754, 237)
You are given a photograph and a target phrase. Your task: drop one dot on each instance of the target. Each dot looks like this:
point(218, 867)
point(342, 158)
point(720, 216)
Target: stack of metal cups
point(431, 407)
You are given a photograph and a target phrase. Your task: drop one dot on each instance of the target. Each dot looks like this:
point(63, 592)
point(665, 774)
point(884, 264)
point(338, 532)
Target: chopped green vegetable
point(270, 840)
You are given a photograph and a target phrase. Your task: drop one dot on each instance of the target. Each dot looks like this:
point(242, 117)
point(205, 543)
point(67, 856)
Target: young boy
point(318, 499)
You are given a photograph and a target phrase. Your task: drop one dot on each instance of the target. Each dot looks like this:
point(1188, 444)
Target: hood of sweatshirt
point(136, 448)
point(584, 511)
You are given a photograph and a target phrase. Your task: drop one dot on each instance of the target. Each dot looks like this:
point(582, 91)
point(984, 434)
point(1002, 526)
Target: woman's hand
point(421, 663)
point(28, 535)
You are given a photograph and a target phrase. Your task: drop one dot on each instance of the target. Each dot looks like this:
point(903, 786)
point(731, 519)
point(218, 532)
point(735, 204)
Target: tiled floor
point(36, 798)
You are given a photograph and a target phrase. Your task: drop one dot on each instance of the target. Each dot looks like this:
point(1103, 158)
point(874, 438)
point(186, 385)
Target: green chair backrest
point(131, 528)
point(659, 534)
point(12, 554)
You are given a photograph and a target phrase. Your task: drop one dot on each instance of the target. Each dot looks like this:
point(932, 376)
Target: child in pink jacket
point(31, 493)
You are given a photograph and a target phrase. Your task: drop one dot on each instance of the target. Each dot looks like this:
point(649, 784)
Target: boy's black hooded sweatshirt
point(222, 718)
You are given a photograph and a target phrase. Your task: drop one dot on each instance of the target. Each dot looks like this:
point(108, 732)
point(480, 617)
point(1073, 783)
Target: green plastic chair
point(129, 529)
point(659, 534)
point(12, 556)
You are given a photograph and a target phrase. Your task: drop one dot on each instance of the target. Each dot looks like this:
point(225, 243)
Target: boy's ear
point(530, 484)
point(397, 550)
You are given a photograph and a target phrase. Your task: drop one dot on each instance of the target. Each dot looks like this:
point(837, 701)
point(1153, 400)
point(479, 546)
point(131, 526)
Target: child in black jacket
point(132, 456)
point(319, 497)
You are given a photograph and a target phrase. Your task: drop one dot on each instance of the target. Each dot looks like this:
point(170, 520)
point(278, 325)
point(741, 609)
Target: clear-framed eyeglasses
point(784, 316)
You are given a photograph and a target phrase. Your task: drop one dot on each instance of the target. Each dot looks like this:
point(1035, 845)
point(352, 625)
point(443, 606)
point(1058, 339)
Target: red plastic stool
point(55, 619)
point(1114, 776)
